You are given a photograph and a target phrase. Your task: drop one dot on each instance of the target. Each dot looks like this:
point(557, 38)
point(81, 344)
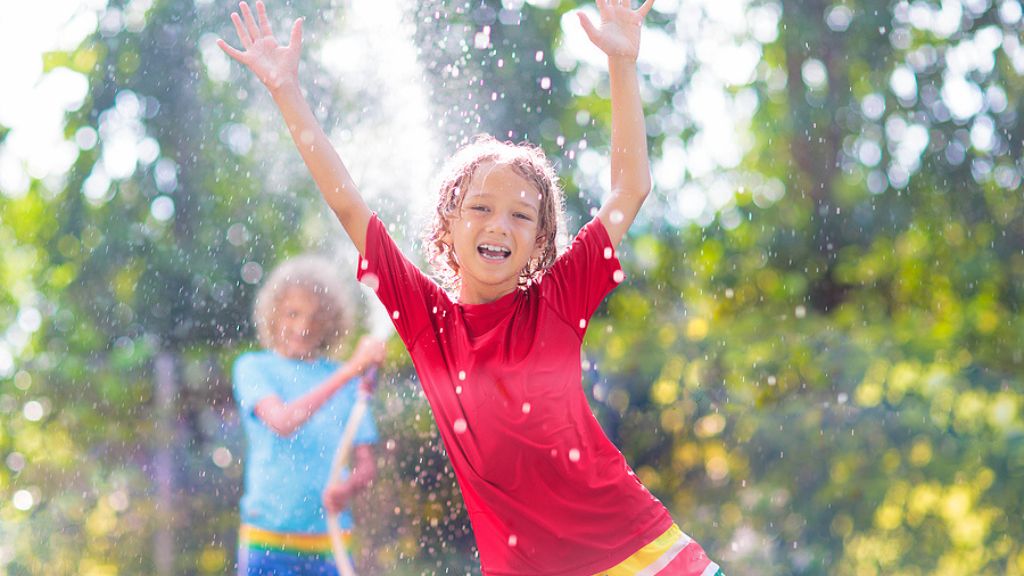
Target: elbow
point(281, 426)
point(283, 431)
point(644, 185)
point(644, 190)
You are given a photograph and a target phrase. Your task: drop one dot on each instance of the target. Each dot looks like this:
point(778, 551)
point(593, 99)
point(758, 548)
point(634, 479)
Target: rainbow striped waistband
point(250, 537)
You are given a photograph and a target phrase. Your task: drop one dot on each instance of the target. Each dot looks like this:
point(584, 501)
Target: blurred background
point(816, 361)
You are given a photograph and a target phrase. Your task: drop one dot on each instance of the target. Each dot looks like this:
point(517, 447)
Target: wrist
point(621, 62)
point(284, 90)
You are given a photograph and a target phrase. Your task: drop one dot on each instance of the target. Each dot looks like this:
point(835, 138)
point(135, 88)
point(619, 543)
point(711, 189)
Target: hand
point(619, 33)
point(336, 496)
point(369, 351)
point(273, 64)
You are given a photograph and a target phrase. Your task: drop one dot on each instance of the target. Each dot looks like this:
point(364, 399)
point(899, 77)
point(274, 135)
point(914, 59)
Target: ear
point(538, 247)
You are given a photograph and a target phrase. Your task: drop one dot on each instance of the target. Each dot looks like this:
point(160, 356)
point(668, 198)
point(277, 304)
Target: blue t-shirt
point(285, 476)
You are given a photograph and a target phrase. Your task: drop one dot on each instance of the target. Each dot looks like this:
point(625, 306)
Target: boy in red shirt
point(546, 491)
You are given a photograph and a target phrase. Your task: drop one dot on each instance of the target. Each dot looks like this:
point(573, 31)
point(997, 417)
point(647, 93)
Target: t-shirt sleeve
point(250, 383)
point(582, 276)
point(406, 293)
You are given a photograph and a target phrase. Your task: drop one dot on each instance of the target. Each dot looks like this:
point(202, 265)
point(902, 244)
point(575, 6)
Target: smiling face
point(495, 233)
point(297, 328)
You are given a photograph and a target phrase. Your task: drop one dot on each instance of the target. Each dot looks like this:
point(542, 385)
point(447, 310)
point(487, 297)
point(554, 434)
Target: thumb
point(588, 26)
point(296, 38)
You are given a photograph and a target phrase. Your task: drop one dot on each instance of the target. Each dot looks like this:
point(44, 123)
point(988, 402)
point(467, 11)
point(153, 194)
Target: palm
point(619, 32)
point(273, 63)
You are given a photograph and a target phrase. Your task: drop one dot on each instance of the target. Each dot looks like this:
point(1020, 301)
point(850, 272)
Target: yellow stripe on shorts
point(674, 551)
point(252, 537)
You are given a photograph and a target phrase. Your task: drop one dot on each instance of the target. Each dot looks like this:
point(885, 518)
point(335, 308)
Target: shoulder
point(254, 360)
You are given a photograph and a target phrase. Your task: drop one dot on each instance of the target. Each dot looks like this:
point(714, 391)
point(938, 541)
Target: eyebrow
point(519, 200)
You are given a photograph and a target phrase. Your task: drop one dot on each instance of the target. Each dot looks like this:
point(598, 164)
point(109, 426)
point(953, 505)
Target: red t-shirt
point(546, 491)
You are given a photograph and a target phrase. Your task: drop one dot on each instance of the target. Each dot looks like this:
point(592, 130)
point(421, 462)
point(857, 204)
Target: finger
point(645, 8)
point(250, 22)
point(261, 12)
point(588, 27)
point(296, 39)
point(602, 5)
point(243, 34)
point(229, 50)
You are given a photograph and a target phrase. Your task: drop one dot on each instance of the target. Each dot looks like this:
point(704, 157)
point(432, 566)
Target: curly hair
point(527, 161)
point(316, 275)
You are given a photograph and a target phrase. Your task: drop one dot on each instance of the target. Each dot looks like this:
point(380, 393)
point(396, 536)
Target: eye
point(523, 216)
point(479, 208)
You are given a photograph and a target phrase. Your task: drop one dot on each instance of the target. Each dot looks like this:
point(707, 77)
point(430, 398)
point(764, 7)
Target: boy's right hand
point(275, 65)
point(369, 352)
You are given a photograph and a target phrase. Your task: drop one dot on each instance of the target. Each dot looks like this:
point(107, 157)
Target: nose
point(302, 324)
point(498, 223)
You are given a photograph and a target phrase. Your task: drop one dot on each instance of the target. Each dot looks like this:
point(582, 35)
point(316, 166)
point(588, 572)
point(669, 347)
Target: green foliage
point(823, 378)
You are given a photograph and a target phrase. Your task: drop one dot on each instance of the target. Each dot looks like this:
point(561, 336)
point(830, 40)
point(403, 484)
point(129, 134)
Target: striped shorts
point(671, 554)
point(266, 553)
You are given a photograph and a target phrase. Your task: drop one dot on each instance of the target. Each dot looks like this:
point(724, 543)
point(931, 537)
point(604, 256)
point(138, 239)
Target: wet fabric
point(546, 491)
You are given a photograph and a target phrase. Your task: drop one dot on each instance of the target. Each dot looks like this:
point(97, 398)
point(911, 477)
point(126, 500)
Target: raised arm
point(618, 36)
point(277, 67)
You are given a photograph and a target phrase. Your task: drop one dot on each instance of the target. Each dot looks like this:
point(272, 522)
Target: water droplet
point(33, 411)
point(459, 426)
point(23, 500)
point(800, 311)
point(526, 407)
point(394, 315)
point(618, 276)
point(539, 56)
point(222, 457)
point(512, 540)
point(583, 323)
point(545, 83)
point(574, 455)
point(608, 252)
point(462, 374)
point(482, 39)
point(617, 217)
point(458, 389)
point(371, 281)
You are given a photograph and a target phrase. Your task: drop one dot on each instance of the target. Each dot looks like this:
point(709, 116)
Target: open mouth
point(493, 252)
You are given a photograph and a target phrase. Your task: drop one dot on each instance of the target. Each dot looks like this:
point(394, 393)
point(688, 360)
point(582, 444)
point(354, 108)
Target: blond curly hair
point(527, 161)
point(317, 275)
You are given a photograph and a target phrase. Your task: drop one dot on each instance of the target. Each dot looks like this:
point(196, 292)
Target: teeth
point(494, 248)
point(493, 252)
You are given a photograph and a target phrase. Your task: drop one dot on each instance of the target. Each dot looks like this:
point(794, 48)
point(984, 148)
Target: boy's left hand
point(336, 496)
point(618, 36)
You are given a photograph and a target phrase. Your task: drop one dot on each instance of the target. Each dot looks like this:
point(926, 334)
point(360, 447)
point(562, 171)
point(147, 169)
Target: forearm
point(336, 185)
point(286, 418)
point(629, 161)
point(365, 468)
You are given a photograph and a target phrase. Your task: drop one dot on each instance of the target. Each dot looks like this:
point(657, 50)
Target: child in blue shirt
point(294, 404)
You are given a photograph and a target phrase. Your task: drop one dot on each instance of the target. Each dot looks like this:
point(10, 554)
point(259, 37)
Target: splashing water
point(374, 57)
